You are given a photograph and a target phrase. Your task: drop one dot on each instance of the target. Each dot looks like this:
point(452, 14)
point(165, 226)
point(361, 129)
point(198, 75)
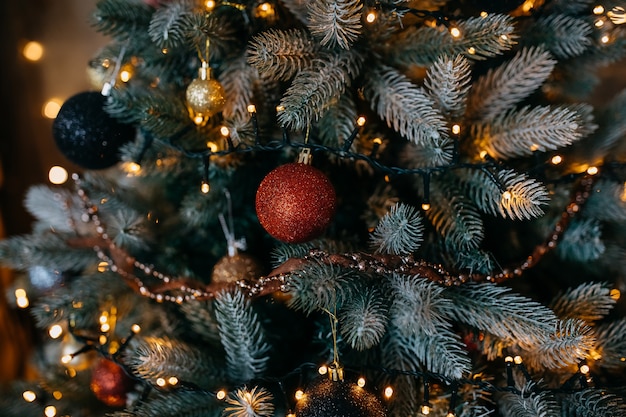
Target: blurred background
point(44, 54)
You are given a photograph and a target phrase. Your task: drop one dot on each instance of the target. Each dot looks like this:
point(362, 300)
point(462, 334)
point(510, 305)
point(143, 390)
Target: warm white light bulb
point(33, 51)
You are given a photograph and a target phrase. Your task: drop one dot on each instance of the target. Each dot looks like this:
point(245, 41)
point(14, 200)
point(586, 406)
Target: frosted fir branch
point(169, 24)
point(121, 19)
point(314, 89)
point(564, 36)
point(283, 252)
point(254, 402)
point(589, 302)
point(320, 287)
point(127, 229)
point(179, 403)
point(507, 85)
point(363, 319)
point(582, 241)
point(242, 336)
point(525, 196)
point(337, 123)
point(529, 404)
point(238, 80)
point(499, 311)
point(49, 250)
point(403, 106)
point(418, 305)
point(611, 344)
point(519, 133)
point(474, 261)
point(54, 209)
point(481, 38)
point(432, 153)
point(448, 82)
point(455, 218)
point(570, 341)
point(607, 202)
point(280, 54)
point(593, 402)
point(336, 22)
point(151, 358)
point(399, 232)
point(442, 352)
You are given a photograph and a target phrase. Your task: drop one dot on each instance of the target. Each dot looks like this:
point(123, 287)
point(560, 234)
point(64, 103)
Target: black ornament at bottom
point(327, 398)
point(86, 134)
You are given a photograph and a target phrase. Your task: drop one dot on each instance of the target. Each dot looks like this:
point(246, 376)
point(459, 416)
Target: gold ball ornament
point(205, 97)
point(233, 268)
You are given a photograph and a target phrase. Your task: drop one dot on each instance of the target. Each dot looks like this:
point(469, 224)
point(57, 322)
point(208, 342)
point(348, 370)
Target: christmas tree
point(334, 208)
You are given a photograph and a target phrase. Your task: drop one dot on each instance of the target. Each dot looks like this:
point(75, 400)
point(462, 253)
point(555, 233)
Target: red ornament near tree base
point(295, 202)
point(110, 383)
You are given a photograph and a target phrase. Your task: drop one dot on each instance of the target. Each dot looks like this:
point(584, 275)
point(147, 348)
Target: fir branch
point(127, 229)
point(242, 336)
point(611, 344)
point(320, 287)
point(481, 38)
point(152, 358)
point(502, 313)
point(589, 302)
point(121, 19)
point(448, 82)
point(176, 403)
point(168, 24)
point(363, 319)
point(201, 316)
point(337, 123)
point(564, 36)
point(256, 402)
point(612, 127)
point(593, 402)
point(529, 403)
point(569, 343)
point(521, 132)
point(500, 89)
point(49, 250)
point(238, 80)
point(432, 153)
point(336, 22)
point(455, 218)
point(607, 203)
point(582, 241)
point(280, 54)
point(399, 232)
point(525, 196)
point(63, 216)
point(419, 305)
point(405, 107)
point(314, 89)
point(442, 352)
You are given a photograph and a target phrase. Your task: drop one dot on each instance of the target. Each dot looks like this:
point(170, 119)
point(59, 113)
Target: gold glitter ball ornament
point(205, 96)
point(236, 267)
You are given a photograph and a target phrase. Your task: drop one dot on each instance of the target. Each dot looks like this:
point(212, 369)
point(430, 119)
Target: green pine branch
point(179, 403)
point(582, 241)
point(564, 36)
point(238, 80)
point(169, 24)
point(363, 319)
point(611, 344)
point(432, 153)
point(593, 402)
point(448, 83)
point(589, 302)
point(529, 404)
point(121, 19)
point(399, 232)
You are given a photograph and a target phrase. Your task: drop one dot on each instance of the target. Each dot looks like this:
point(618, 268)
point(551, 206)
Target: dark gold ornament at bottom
point(234, 268)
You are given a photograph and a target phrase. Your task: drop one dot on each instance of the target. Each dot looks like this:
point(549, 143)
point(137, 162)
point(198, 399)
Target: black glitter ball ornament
point(86, 135)
point(327, 398)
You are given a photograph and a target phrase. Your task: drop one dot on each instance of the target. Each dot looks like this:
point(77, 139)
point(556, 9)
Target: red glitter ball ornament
point(295, 202)
point(110, 383)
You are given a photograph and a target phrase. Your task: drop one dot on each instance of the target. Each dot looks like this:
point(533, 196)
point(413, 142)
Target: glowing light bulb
point(51, 108)
point(55, 331)
point(507, 195)
point(599, 23)
point(209, 5)
point(161, 382)
point(221, 394)
point(212, 146)
point(605, 39)
point(371, 17)
point(33, 51)
point(508, 359)
point(29, 396)
point(205, 188)
point(584, 369)
point(455, 32)
point(615, 294)
point(57, 395)
point(21, 299)
point(224, 131)
point(66, 359)
point(280, 108)
point(323, 370)
point(298, 395)
point(518, 360)
point(388, 392)
point(425, 409)
point(251, 108)
point(135, 328)
point(556, 159)
point(50, 411)
point(471, 50)
point(361, 382)
point(592, 170)
point(484, 14)
point(425, 206)
point(360, 121)
point(103, 266)
point(57, 175)
point(599, 9)
point(456, 129)
point(172, 380)
point(483, 154)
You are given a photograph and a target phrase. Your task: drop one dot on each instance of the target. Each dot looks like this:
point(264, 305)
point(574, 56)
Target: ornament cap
point(204, 72)
point(305, 156)
point(335, 372)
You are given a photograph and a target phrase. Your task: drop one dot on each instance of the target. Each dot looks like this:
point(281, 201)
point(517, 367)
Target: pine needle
point(399, 232)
